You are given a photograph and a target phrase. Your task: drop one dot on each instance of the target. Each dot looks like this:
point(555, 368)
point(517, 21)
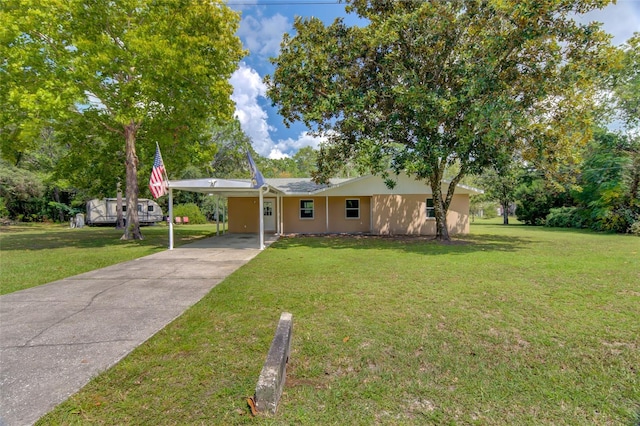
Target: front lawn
point(35, 254)
point(512, 325)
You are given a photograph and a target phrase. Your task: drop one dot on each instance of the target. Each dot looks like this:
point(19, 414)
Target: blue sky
point(261, 28)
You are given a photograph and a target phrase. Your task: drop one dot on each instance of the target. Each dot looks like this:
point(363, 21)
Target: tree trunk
point(56, 197)
point(635, 177)
point(505, 213)
point(120, 217)
point(132, 227)
point(440, 209)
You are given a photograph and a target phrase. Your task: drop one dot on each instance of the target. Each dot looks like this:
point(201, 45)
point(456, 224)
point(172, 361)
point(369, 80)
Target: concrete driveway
point(54, 338)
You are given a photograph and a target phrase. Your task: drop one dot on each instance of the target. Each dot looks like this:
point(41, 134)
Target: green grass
point(512, 325)
point(35, 254)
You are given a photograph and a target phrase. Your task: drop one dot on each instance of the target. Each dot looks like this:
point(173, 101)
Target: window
point(124, 208)
point(431, 211)
point(352, 208)
point(140, 208)
point(150, 208)
point(306, 209)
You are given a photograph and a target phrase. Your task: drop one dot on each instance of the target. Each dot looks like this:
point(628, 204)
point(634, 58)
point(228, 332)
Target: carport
point(226, 188)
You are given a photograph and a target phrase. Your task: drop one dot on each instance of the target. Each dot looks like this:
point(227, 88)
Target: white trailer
point(104, 212)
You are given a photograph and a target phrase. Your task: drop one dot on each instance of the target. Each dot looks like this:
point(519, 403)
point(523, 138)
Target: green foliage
point(481, 206)
point(627, 83)
point(302, 164)
point(214, 206)
point(535, 199)
point(499, 184)
point(190, 210)
point(69, 211)
point(4, 212)
point(564, 217)
point(232, 145)
point(100, 72)
point(609, 182)
point(94, 160)
point(23, 193)
point(426, 85)
point(605, 197)
point(619, 220)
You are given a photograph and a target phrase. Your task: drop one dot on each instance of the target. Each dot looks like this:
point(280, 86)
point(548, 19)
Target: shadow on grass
point(409, 244)
point(89, 237)
point(546, 229)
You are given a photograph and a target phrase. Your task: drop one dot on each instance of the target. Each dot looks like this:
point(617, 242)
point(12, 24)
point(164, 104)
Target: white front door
point(269, 213)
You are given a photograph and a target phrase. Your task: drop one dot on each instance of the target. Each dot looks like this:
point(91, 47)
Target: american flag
point(157, 182)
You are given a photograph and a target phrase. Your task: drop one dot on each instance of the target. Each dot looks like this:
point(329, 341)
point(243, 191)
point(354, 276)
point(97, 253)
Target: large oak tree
point(425, 85)
point(133, 68)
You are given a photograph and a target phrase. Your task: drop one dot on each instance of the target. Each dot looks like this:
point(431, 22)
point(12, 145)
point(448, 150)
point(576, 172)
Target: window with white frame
point(431, 210)
point(306, 209)
point(352, 208)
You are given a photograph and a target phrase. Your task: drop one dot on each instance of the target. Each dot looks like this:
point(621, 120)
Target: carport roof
point(285, 186)
point(215, 186)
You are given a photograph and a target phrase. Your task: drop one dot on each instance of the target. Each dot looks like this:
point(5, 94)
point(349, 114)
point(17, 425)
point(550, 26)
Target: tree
point(536, 196)
point(627, 83)
point(627, 90)
point(232, 145)
point(138, 69)
point(500, 185)
point(21, 193)
point(609, 182)
point(428, 84)
point(305, 159)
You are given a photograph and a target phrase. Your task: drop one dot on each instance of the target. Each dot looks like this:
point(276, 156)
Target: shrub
point(635, 228)
point(4, 212)
point(563, 217)
point(190, 210)
point(22, 192)
point(619, 220)
point(535, 199)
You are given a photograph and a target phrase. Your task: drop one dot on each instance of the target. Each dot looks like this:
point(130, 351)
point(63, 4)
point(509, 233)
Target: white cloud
point(248, 88)
point(276, 154)
point(263, 35)
point(303, 139)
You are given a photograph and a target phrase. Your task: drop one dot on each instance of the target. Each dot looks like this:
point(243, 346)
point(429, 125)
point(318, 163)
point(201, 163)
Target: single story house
point(358, 205)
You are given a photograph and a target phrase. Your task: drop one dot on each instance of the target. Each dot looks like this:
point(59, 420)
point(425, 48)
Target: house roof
point(291, 186)
point(362, 186)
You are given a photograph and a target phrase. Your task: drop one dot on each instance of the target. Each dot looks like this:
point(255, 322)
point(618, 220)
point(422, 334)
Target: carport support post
point(326, 213)
point(278, 230)
point(261, 215)
point(217, 215)
point(170, 219)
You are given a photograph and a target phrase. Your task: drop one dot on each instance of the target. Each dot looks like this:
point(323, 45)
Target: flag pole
point(170, 219)
point(164, 168)
point(166, 180)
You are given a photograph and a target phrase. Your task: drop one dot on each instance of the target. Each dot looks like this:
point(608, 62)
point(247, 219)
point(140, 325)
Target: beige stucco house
point(359, 205)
